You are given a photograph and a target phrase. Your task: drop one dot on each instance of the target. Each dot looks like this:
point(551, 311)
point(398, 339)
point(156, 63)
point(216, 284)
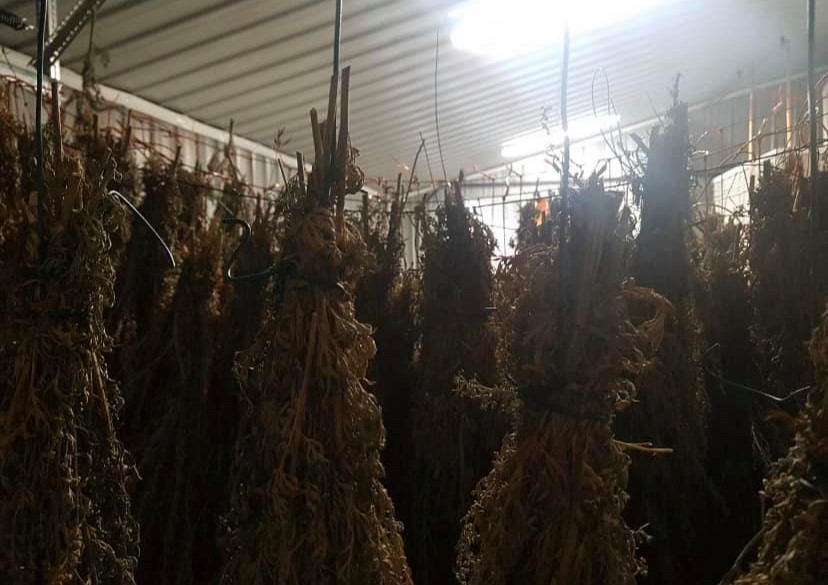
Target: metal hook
point(247, 233)
point(738, 386)
point(138, 214)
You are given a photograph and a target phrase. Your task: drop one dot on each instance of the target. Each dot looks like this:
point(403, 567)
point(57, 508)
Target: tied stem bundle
point(550, 511)
point(387, 299)
point(723, 299)
point(454, 436)
point(672, 495)
point(784, 295)
point(179, 498)
point(793, 542)
point(64, 510)
point(307, 504)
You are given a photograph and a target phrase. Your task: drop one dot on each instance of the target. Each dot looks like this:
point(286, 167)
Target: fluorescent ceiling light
point(506, 28)
point(539, 141)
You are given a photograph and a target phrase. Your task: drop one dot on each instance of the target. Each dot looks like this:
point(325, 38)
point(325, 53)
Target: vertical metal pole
point(789, 133)
point(812, 118)
point(564, 114)
point(337, 36)
point(39, 150)
point(54, 77)
point(752, 141)
point(812, 99)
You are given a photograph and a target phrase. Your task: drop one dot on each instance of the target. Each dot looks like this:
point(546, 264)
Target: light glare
point(536, 142)
point(507, 28)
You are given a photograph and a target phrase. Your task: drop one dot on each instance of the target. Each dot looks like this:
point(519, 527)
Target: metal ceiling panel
point(265, 63)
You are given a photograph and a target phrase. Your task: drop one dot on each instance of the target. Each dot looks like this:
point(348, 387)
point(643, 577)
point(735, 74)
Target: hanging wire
point(436, 114)
point(814, 152)
point(146, 222)
point(414, 168)
point(744, 388)
point(41, 164)
point(564, 113)
point(428, 159)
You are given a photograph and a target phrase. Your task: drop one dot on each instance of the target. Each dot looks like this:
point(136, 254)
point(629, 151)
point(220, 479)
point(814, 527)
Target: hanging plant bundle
point(307, 504)
point(380, 229)
point(11, 171)
point(64, 510)
point(793, 542)
point(245, 303)
point(101, 148)
point(395, 378)
point(735, 459)
point(785, 297)
point(179, 498)
point(672, 495)
point(144, 282)
point(550, 511)
point(174, 203)
point(243, 306)
point(454, 437)
point(386, 299)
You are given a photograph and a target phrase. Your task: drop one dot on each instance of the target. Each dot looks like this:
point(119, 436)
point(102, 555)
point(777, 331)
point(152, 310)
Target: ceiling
point(265, 63)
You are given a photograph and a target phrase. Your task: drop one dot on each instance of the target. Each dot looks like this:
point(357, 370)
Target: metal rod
point(41, 164)
point(814, 151)
point(812, 101)
point(564, 114)
point(436, 114)
point(789, 123)
point(337, 36)
point(751, 139)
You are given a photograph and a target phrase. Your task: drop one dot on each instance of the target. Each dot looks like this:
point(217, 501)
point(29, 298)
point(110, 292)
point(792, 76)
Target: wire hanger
point(744, 388)
point(146, 222)
point(247, 233)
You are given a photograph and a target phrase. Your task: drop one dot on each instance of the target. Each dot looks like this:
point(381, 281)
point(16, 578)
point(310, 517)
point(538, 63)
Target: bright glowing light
point(536, 142)
point(506, 28)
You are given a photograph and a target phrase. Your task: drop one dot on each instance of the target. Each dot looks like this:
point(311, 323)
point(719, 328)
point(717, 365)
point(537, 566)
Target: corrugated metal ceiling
point(266, 62)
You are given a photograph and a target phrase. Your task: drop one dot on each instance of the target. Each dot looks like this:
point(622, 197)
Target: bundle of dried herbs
point(64, 510)
point(793, 542)
point(551, 509)
point(179, 498)
point(381, 230)
point(244, 306)
point(11, 178)
point(386, 299)
point(167, 323)
point(672, 495)
point(307, 505)
point(454, 438)
point(144, 282)
point(175, 204)
point(735, 459)
point(785, 296)
point(102, 148)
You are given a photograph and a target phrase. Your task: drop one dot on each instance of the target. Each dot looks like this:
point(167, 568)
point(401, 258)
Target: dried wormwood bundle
point(454, 437)
point(793, 543)
point(308, 506)
point(64, 510)
point(550, 510)
point(672, 495)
